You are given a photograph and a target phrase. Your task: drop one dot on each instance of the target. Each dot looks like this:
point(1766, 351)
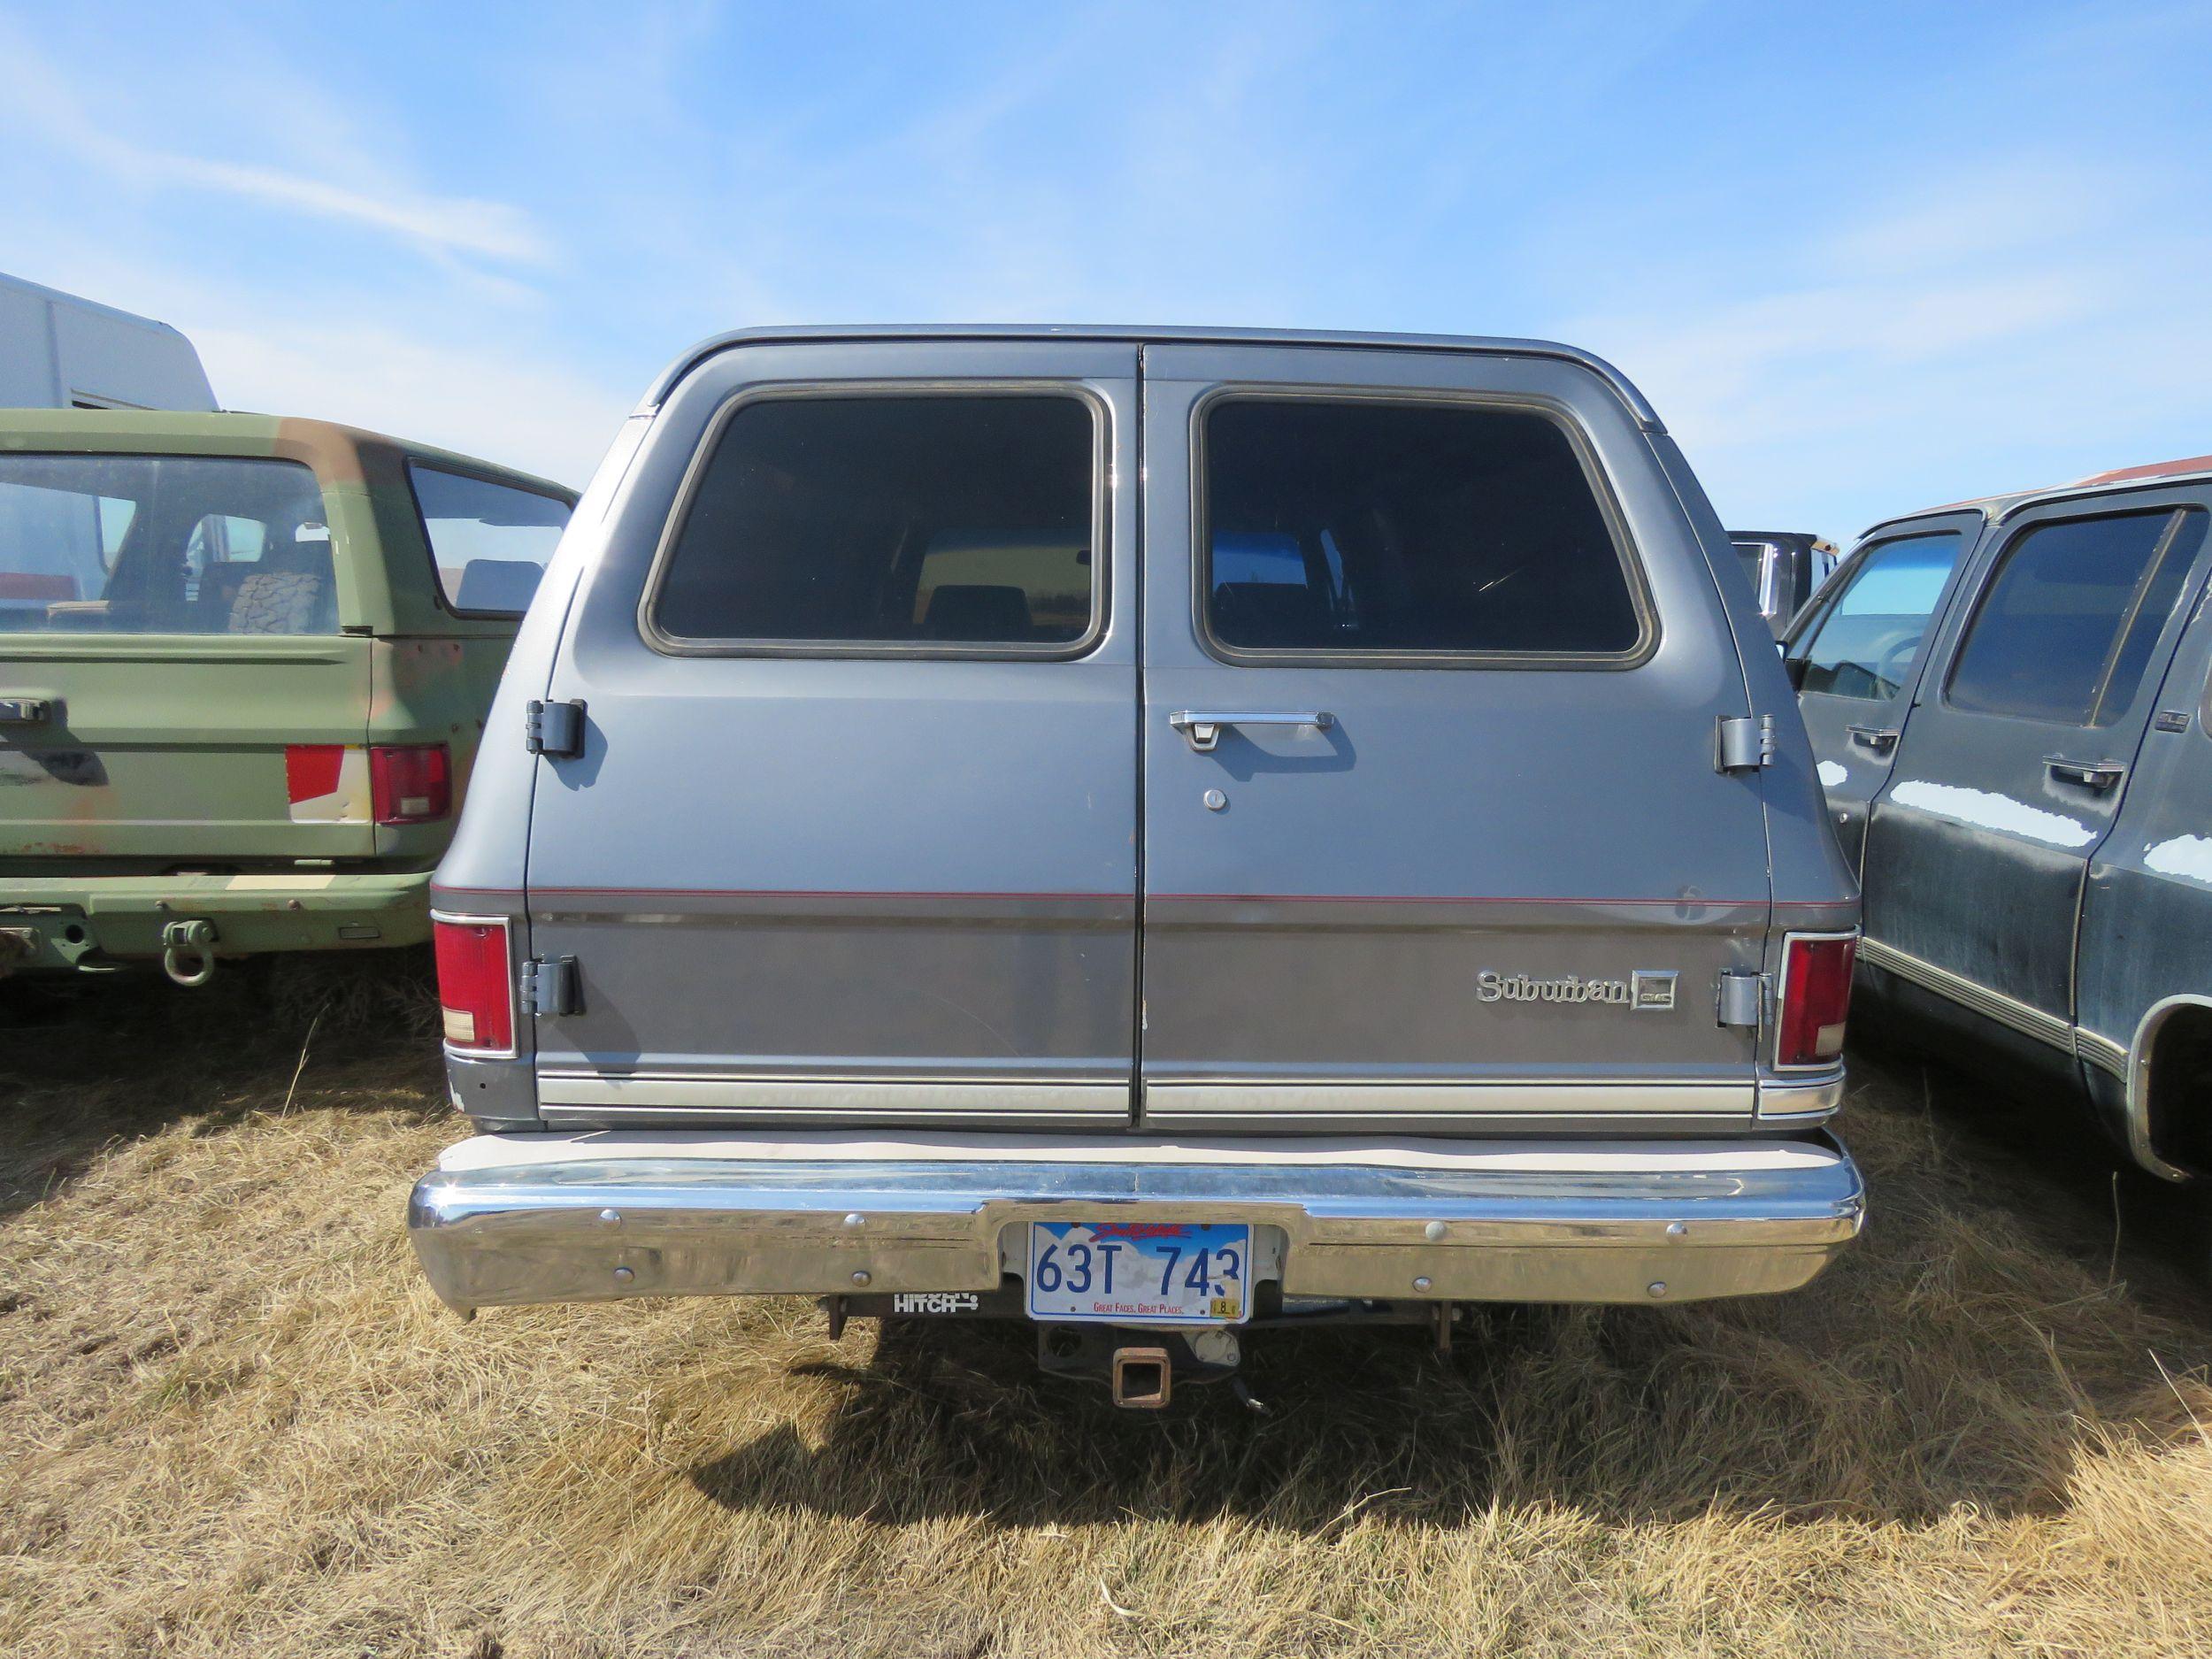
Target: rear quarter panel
point(2147, 918)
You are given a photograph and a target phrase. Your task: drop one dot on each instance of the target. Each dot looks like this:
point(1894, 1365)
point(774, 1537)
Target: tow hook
point(195, 938)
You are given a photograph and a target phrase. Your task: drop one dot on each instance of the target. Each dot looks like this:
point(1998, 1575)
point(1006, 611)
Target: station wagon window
point(1867, 638)
point(2066, 626)
point(163, 544)
point(930, 523)
point(490, 541)
point(1370, 528)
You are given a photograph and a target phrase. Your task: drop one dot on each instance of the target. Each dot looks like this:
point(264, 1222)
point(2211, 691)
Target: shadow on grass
point(86, 1062)
point(1959, 1354)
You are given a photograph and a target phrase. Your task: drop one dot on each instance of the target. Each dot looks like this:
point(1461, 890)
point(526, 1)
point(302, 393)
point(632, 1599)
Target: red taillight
point(476, 985)
point(1816, 997)
point(410, 786)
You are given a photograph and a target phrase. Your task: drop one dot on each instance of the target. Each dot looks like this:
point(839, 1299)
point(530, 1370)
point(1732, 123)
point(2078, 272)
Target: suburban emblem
point(1647, 990)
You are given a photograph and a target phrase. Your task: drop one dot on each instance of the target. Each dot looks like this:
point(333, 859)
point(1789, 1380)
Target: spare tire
point(276, 602)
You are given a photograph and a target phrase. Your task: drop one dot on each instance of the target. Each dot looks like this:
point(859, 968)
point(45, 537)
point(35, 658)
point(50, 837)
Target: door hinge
point(1746, 742)
point(554, 729)
point(1742, 1000)
point(549, 986)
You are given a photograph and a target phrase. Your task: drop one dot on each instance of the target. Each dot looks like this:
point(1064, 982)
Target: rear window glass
point(1755, 556)
point(1867, 637)
point(163, 544)
point(491, 541)
point(2066, 627)
point(1365, 527)
point(927, 522)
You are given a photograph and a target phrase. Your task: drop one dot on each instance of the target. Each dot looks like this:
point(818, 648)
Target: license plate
point(1139, 1272)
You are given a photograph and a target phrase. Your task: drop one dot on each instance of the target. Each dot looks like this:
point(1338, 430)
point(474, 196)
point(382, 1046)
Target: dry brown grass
point(234, 1421)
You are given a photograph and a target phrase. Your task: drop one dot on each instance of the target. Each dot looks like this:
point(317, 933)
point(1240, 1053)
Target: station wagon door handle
point(1203, 726)
point(1880, 739)
point(2099, 775)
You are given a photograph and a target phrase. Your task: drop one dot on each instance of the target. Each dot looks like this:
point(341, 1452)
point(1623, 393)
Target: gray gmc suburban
point(1154, 833)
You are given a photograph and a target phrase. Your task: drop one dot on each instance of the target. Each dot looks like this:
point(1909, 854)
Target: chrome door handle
point(1880, 739)
point(26, 710)
point(1203, 726)
point(2099, 775)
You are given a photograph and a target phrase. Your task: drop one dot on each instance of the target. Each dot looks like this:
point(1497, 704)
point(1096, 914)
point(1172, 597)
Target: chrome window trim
point(2010, 1011)
point(506, 926)
point(963, 652)
point(1587, 456)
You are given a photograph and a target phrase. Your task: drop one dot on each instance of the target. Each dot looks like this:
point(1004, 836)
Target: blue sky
point(1863, 259)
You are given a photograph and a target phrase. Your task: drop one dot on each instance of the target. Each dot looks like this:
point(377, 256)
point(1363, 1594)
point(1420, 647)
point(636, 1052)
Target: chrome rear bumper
point(541, 1218)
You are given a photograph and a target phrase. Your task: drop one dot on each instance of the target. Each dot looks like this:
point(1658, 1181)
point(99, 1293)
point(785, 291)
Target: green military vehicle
point(244, 664)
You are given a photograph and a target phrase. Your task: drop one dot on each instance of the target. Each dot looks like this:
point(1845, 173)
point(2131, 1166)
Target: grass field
point(232, 1419)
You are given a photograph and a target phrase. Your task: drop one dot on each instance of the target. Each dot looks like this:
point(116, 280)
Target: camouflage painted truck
point(244, 664)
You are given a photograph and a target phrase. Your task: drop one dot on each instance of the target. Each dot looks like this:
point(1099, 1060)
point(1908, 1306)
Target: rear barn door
point(852, 839)
point(1433, 835)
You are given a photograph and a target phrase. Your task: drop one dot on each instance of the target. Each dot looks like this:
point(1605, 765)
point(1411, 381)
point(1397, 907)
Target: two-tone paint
point(1151, 888)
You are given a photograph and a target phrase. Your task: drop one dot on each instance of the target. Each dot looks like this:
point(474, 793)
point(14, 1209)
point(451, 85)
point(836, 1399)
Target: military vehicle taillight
point(1816, 997)
point(476, 983)
point(412, 785)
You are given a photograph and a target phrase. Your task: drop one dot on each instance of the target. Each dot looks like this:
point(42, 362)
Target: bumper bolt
point(611, 1217)
point(1421, 1283)
point(861, 1277)
point(624, 1275)
point(1678, 1229)
point(1434, 1231)
point(1657, 1287)
point(856, 1221)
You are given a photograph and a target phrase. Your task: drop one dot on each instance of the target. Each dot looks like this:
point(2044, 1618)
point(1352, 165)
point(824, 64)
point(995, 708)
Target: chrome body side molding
point(2006, 1011)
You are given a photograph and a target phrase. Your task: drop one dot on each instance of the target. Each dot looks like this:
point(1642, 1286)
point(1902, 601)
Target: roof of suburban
point(1646, 416)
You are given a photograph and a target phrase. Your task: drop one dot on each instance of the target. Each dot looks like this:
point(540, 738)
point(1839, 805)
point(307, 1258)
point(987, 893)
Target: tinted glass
point(918, 521)
point(1866, 641)
point(1378, 526)
point(1755, 555)
point(2066, 627)
point(491, 541)
point(163, 544)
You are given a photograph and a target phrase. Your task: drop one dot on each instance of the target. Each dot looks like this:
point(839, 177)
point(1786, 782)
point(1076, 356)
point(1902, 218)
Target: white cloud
point(1991, 329)
point(43, 106)
point(501, 405)
point(445, 224)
